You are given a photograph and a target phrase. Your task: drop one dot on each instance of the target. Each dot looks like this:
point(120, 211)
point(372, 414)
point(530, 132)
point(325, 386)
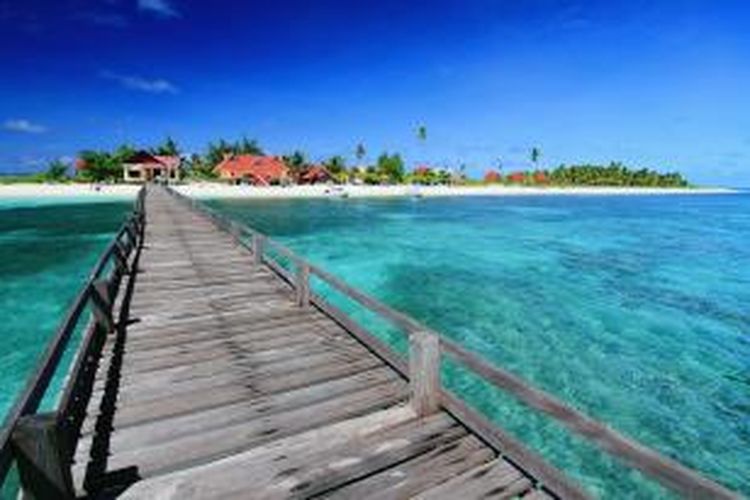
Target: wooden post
point(38, 446)
point(424, 372)
point(132, 229)
point(235, 230)
point(101, 302)
point(302, 284)
point(258, 243)
point(121, 256)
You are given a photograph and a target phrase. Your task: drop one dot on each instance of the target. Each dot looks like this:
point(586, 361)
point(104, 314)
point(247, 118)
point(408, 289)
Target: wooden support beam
point(424, 372)
point(302, 284)
point(258, 244)
point(38, 447)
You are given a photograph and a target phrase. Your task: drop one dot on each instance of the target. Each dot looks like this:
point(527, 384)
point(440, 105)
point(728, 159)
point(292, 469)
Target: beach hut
point(540, 177)
point(517, 177)
point(492, 176)
point(253, 169)
point(143, 166)
point(315, 174)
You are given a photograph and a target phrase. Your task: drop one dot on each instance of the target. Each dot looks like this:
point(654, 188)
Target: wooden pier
point(210, 370)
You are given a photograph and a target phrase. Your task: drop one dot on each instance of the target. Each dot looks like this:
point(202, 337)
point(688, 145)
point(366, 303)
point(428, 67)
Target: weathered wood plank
point(425, 471)
point(210, 445)
point(194, 397)
point(319, 473)
point(242, 409)
point(497, 479)
point(262, 463)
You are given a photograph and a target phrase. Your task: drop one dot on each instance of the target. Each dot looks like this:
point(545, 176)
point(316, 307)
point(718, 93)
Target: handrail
point(668, 472)
point(27, 403)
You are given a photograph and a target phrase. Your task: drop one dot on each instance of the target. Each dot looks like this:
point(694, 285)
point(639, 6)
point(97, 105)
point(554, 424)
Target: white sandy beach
point(68, 190)
point(216, 190)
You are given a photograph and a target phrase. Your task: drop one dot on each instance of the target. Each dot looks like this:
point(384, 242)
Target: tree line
point(388, 168)
point(100, 166)
point(615, 174)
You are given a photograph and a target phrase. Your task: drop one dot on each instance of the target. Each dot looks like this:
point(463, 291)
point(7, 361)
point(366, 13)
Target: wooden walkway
point(222, 387)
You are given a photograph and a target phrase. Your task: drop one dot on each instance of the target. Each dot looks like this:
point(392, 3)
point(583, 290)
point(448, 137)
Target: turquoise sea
point(632, 308)
point(47, 249)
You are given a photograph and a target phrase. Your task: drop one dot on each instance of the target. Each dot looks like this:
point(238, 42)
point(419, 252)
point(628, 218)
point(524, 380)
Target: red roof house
point(260, 170)
point(492, 176)
point(315, 174)
point(540, 177)
point(517, 177)
point(422, 170)
point(81, 164)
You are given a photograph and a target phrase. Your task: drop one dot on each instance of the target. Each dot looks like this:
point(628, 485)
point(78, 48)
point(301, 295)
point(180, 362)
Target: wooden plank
point(251, 352)
point(260, 380)
point(245, 366)
point(187, 399)
point(299, 345)
point(210, 445)
point(319, 472)
point(425, 471)
point(241, 409)
point(142, 337)
point(262, 462)
point(497, 479)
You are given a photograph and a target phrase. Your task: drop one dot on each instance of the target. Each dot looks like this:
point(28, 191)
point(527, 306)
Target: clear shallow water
point(47, 248)
point(634, 309)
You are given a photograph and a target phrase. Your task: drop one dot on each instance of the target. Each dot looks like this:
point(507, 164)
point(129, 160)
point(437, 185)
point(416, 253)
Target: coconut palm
point(536, 153)
point(360, 152)
point(168, 148)
point(297, 162)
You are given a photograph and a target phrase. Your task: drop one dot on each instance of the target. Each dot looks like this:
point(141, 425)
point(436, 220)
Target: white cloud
point(160, 7)
point(152, 86)
point(23, 126)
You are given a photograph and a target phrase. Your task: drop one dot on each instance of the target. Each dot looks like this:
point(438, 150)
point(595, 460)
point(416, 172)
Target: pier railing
point(43, 444)
point(422, 370)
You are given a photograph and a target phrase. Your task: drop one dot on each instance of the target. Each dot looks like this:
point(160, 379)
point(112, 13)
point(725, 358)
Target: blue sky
point(658, 84)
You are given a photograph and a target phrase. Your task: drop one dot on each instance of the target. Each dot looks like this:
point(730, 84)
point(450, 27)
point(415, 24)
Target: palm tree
point(56, 171)
point(360, 152)
point(297, 162)
point(248, 147)
point(422, 133)
point(168, 148)
point(335, 164)
point(536, 153)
